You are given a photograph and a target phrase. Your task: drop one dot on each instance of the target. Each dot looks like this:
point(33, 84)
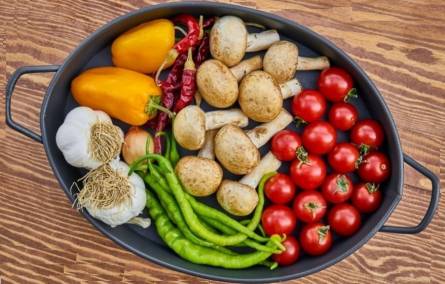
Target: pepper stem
point(189, 64)
point(154, 105)
point(181, 30)
point(201, 27)
point(168, 61)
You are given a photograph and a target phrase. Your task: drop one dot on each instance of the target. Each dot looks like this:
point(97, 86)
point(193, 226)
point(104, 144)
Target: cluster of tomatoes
point(324, 202)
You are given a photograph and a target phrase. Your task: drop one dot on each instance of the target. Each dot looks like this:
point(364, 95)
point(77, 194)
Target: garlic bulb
point(112, 196)
point(88, 138)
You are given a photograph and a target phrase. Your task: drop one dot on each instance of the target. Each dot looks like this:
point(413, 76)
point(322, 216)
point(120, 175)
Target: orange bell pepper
point(124, 94)
point(144, 47)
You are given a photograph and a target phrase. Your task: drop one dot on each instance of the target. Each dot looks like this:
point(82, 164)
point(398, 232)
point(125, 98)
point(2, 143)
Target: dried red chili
point(188, 87)
point(203, 50)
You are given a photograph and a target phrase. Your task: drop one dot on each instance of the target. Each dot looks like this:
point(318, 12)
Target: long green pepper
point(196, 253)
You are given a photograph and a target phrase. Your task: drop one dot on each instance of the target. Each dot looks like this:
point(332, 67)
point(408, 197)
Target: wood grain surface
point(400, 44)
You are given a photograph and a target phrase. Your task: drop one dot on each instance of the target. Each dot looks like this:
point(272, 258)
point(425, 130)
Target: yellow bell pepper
point(143, 48)
point(124, 94)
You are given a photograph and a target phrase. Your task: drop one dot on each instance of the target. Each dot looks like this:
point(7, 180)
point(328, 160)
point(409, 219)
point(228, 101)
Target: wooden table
point(400, 44)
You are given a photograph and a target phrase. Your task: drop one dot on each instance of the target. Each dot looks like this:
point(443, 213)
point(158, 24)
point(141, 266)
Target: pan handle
point(10, 89)
point(434, 202)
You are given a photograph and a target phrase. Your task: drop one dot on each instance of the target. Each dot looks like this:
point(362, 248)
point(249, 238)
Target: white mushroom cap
point(280, 61)
point(236, 198)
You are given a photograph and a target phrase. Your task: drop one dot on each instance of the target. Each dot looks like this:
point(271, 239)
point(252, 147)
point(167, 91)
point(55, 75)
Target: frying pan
point(95, 51)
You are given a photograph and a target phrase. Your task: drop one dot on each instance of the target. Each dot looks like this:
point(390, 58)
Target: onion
point(137, 143)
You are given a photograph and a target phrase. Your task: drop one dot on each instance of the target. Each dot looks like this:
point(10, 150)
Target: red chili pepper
point(188, 88)
point(203, 50)
point(208, 22)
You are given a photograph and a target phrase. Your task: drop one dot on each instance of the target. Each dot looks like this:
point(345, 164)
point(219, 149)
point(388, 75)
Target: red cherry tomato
point(343, 116)
point(309, 105)
point(375, 167)
point(278, 219)
point(316, 238)
point(290, 255)
point(309, 206)
point(344, 219)
point(367, 132)
point(337, 188)
point(308, 171)
point(319, 137)
point(336, 84)
point(344, 158)
point(285, 144)
point(280, 189)
point(366, 197)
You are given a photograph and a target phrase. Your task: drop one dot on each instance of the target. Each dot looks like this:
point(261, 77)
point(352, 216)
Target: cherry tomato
point(336, 84)
point(319, 137)
point(280, 189)
point(344, 219)
point(337, 188)
point(308, 171)
point(316, 238)
point(285, 144)
point(375, 167)
point(291, 254)
point(344, 158)
point(278, 219)
point(343, 116)
point(366, 197)
point(367, 132)
point(309, 105)
point(309, 206)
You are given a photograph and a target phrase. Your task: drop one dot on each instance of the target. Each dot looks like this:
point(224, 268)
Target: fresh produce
point(188, 87)
point(319, 137)
point(229, 40)
point(137, 143)
point(344, 158)
point(375, 167)
point(291, 254)
point(281, 61)
point(261, 98)
point(280, 189)
point(336, 85)
point(337, 188)
point(88, 138)
point(308, 171)
point(368, 133)
point(240, 198)
point(191, 123)
point(344, 219)
point(218, 84)
point(196, 253)
point(144, 47)
point(278, 219)
point(108, 89)
point(366, 197)
point(112, 196)
point(309, 206)
point(285, 144)
point(308, 106)
point(316, 238)
point(343, 116)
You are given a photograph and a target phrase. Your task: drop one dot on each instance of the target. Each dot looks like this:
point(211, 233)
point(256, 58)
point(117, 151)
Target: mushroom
point(200, 175)
point(229, 40)
point(282, 61)
point(191, 123)
point(237, 151)
point(218, 85)
point(240, 198)
point(261, 98)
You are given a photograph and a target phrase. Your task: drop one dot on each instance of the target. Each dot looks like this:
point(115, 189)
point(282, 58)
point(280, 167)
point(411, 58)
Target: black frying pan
point(94, 51)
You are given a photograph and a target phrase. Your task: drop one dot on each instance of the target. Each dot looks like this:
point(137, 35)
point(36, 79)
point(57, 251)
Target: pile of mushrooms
point(259, 84)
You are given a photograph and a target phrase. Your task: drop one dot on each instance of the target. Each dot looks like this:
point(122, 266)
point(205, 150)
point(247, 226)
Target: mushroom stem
point(290, 88)
point(262, 133)
point(269, 163)
point(198, 98)
point(218, 118)
point(312, 63)
point(207, 150)
point(262, 40)
point(246, 66)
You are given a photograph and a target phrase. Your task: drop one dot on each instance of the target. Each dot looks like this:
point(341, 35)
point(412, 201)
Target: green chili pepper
point(196, 253)
point(174, 155)
point(172, 209)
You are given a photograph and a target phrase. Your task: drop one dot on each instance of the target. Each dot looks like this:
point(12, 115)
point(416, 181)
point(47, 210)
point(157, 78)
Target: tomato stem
point(353, 93)
point(342, 184)
point(302, 156)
